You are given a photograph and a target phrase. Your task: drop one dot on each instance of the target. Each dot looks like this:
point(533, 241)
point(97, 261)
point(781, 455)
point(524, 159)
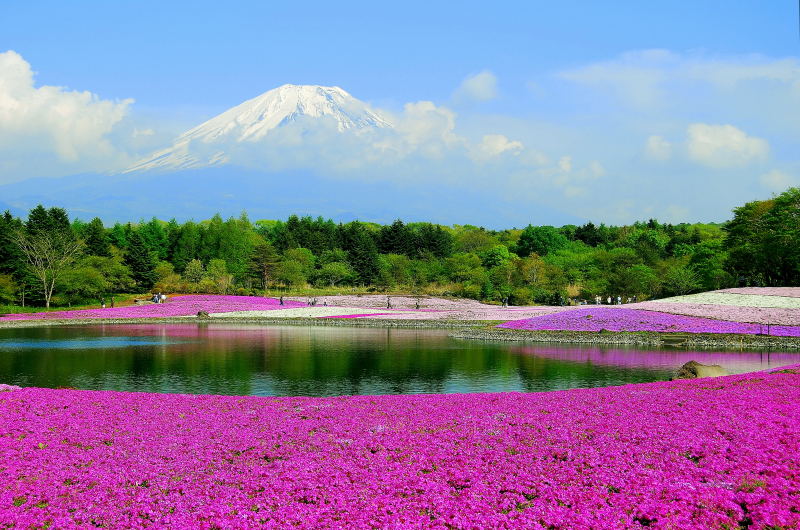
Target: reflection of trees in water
point(294, 360)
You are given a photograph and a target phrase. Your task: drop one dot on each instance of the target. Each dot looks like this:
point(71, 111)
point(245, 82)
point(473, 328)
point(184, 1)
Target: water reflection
point(246, 359)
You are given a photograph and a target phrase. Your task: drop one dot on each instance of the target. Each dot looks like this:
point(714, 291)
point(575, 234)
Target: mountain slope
point(250, 122)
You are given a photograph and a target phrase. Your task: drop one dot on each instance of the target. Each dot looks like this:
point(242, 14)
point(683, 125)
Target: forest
point(49, 260)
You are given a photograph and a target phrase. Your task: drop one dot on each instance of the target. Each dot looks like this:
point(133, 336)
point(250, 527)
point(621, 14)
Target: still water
point(249, 359)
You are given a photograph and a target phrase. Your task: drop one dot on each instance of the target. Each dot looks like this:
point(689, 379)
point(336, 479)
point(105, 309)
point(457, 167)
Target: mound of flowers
point(735, 299)
point(732, 313)
point(709, 454)
point(179, 306)
point(764, 291)
point(623, 319)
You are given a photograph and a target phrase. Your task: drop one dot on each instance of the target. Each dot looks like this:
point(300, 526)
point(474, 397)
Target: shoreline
point(693, 340)
point(295, 321)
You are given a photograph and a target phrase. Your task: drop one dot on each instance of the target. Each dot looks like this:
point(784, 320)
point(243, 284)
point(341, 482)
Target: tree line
point(49, 258)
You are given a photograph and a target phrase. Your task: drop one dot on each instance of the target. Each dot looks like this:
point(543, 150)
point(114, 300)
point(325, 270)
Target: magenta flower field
point(710, 454)
point(622, 319)
point(179, 306)
point(758, 315)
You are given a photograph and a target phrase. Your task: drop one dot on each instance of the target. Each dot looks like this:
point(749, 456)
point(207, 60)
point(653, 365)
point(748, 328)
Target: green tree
point(194, 272)
point(762, 237)
point(264, 263)
point(217, 271)
point(12, 261)
point(141, 262)
point(118, 236)
point(540, 240)
point(96, 238)
point(236, 244)
point(8, 288)
point(291, 273)
point(495, 256)
point(154, 237)
point(49, 246)
point(335, 272)
point(187, 246)
point(708, 260)
point(682, 280)
point(365, 259)
point(82, 281)
point(302, 256)
point(116, 275)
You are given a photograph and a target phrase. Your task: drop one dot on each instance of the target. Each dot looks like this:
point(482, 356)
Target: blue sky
point(624, 110)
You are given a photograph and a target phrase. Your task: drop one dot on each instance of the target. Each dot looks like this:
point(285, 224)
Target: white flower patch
point(303, 312)
point(731, 299)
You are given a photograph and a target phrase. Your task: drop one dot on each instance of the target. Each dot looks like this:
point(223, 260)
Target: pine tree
point(366, 261)
point(96, 238)
point(141, 262)
point(264, 263)
point(118, 236)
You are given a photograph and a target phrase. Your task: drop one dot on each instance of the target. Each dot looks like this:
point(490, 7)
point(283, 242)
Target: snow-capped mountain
point(250, 122)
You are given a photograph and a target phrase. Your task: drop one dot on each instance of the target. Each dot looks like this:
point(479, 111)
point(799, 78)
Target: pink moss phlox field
point(708, 453)
point(178, 306)
point(623, 319)
point(757, 315)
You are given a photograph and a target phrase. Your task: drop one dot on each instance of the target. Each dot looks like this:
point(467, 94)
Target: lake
point(251, 359)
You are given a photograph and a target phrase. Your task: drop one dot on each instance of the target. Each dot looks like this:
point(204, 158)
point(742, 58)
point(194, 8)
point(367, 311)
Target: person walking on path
point(281, 299)
point(388, 303)
point(112, 302)
point(102, 303)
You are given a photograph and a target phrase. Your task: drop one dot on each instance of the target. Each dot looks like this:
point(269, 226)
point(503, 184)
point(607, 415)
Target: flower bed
point(623, 319)
point(179, 306)
point(734, 299)
point(765, 291)
point(706, 454)
point(755, 315)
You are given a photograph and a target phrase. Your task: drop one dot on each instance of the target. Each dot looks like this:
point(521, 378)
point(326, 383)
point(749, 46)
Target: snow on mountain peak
point(251, 120)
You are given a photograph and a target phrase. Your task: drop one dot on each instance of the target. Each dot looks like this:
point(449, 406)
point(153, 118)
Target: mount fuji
point(253, 119)
point(233, 162)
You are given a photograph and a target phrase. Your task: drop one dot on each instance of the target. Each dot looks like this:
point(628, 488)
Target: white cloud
point(778, 181)
point(635, 76)
point(657, 148)
point(596, 169)
point(654, 80)
point(495, 144)
point(565, 164)
point(423, 122)
point(51, 124)
point(719, 146)
point(479, 87)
